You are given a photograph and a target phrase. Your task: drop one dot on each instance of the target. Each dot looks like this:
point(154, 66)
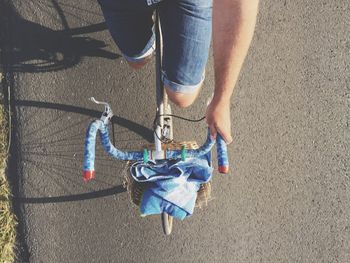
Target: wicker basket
point(136, 189)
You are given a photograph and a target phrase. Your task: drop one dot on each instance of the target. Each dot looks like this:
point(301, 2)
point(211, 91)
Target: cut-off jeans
point(186, 31)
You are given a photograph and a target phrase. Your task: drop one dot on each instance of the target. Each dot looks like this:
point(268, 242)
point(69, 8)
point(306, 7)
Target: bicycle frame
point(165, 128)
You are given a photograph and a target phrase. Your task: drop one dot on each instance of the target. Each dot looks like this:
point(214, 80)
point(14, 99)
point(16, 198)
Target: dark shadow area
point(30, 47)
point(37, 48)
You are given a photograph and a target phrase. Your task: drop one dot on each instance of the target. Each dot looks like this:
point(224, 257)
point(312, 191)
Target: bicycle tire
point(167, 223)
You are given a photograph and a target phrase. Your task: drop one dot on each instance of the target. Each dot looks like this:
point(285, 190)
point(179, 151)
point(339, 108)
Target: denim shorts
point(186, 31)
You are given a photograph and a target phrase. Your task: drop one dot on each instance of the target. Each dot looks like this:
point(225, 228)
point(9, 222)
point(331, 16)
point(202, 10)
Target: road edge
point(19, 249)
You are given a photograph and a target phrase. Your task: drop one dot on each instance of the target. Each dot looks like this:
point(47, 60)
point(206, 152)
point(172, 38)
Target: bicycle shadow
point(57, 152)
point(30, 47)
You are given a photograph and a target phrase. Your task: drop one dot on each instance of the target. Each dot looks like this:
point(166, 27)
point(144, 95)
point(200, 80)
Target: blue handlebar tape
point(221, 148)
point(90, 143)
point(89, 154)
point(99, 126)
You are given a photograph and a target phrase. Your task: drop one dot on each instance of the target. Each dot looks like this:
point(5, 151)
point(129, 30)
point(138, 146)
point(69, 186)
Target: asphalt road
point(287, 198)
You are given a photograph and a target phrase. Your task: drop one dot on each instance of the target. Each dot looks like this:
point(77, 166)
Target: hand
point(218, 119)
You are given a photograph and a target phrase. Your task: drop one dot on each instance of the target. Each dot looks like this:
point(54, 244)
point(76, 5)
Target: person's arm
point(233, 28)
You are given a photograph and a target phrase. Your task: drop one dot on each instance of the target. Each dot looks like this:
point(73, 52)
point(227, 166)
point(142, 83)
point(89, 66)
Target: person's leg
point(131, 26)
point(186, 29)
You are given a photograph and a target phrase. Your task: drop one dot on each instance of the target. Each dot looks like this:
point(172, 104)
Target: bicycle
point(163, 137)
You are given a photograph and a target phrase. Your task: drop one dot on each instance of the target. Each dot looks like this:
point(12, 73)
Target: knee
point(181, 100)
point(139, 64)
point(182, 103)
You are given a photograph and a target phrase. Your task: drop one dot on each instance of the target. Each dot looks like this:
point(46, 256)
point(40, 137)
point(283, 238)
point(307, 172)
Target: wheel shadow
point(70, 198)
point(56, 150)
point(55, 153)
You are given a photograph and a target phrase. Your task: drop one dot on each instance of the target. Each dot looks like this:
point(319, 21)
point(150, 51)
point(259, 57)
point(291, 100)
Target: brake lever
point(107, 113)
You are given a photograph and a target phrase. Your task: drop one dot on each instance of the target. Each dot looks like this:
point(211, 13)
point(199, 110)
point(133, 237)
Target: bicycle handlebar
point(98, 125)
point(221, 148)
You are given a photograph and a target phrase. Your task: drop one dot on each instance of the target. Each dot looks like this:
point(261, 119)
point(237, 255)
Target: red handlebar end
point(89, 175)
point(223, 169)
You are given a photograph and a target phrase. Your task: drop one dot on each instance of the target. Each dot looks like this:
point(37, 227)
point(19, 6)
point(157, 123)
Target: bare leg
point(140, 64)
point(182, 100)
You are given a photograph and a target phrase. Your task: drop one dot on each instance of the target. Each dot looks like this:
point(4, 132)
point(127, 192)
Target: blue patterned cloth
point(172, 185)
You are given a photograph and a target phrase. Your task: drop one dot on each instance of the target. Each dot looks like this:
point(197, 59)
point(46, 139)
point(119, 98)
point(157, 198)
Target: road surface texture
point(287, 198)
